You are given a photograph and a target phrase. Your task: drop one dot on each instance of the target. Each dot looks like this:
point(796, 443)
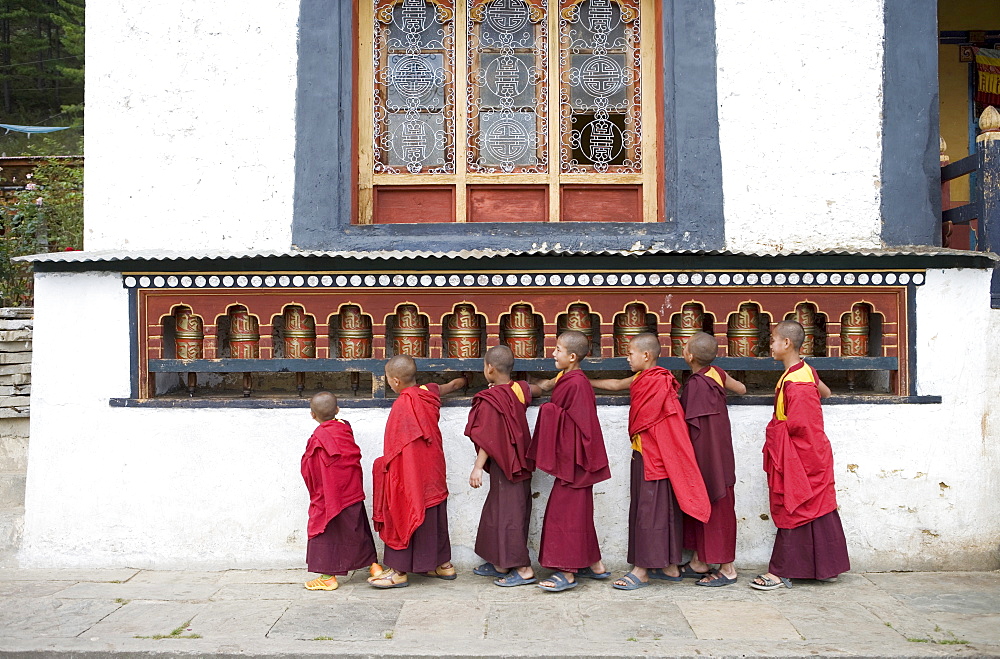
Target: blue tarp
point(31, 129)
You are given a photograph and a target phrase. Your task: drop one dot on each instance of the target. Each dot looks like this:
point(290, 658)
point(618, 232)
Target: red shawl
point(656, 415)
point(498, 425)
point(568, 442)
point(798, 458)
point(704, 403)
point(410, 476)
point(331, 468)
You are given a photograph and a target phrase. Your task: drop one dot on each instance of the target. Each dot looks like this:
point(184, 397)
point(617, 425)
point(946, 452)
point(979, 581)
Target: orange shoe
point(375, 570)
point(325, 582)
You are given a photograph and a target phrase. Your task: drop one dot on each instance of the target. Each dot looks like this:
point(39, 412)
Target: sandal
point(658, 573)
point(560, 583)
point(688, 572)
point(513, 578)
point(715, 579)
point(390, 577)
point(761, 582)
point(488, 570)
point(325, 582)
point(590, 574)
point(632, 582)
point(446, 571)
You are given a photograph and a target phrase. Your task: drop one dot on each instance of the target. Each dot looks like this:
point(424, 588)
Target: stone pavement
point(267, 613)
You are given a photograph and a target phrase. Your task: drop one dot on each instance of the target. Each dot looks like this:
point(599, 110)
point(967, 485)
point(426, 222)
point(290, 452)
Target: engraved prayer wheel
point(684, 325)
point(630, 323)
point(463, 332)
point(520, 332)
point(300, 333)
point(854, 331)
point(189, 334)
point(805, 314)
point(410, 335)
point(744, 331)
point(354, 338)
point(244, 334)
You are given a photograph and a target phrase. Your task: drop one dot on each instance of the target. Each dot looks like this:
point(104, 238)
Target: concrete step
point(12, 490)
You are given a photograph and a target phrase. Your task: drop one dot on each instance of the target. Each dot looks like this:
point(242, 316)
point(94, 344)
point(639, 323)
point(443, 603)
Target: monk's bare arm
point(454, 385)
point(476, 477)
point(541, 387)
point(608, 384)
point(735, 386)
point(824, 391)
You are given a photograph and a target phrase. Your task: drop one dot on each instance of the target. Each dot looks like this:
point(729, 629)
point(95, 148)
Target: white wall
point(190, 124)
point(800, 102)
point(221, 488)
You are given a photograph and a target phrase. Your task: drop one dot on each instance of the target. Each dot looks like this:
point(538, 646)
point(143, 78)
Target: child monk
point(704, 401)
point(410, 488)
point(568, 444)
point(498, 427)
point(339, 537)
point(665, 479)
point(798, 459)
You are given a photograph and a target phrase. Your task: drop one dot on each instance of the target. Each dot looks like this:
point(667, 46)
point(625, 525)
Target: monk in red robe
point(665, 479)
point(498, 427)
point(339, 537)
point(410, 491)
point(569, 445)
point(798, 459)
point(704, 403)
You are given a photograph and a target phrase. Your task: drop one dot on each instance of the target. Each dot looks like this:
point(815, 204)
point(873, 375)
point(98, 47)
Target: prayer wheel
point(744, 331)
point(410, 332)
point(684, 325)
point(354, 338)
point(805, 314)
point(244, 334)
point(300, 333)
point(854, 330)
point(520, 332)
point(464, 332)
point(189, 334)
point(630, 323)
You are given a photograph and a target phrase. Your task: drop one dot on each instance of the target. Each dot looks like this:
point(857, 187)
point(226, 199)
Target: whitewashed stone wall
point(221, 488)
point(190, 124)
point(800, 102)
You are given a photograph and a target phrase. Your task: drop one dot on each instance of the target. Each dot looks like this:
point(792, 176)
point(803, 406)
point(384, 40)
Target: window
point(507, 111)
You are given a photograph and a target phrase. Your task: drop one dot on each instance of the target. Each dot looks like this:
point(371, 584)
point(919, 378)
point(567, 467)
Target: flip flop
point(488, 570)
point(658, 573)
point(590, 574)
point(719, 579)
point(769, 584)
point(561, 583)
point(513, 578)
point(632, 582)
point(688, 572)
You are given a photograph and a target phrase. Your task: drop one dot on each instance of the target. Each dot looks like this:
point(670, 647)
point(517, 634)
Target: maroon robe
point(498, 425)
point(410, 476)
point(569, 445)
point(704, 402)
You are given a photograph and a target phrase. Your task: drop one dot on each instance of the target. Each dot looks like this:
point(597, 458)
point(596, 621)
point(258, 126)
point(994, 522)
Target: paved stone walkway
point(267, 613)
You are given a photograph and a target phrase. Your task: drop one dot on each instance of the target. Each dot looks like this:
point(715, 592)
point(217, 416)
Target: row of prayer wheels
point(521, 329)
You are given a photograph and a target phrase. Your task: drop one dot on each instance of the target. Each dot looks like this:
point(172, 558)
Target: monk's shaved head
point(575, 343)
point(646, 342)
point(402, 367)
point(324, 406)
point(791, 330)
point(703, 347)
point(501, 358)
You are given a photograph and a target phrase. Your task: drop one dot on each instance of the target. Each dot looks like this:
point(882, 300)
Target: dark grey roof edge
point(111, 256)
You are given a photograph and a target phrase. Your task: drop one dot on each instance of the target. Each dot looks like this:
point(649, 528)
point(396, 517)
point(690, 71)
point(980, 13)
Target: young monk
point(339, 537)
point(410, 488)
point(568, 444)
point(798, 459)
point(665, 479)
point(499, 430)
point(704, 401)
